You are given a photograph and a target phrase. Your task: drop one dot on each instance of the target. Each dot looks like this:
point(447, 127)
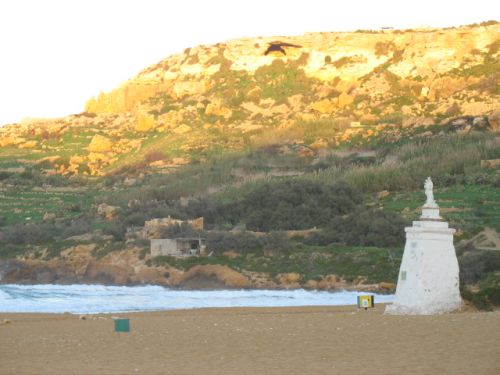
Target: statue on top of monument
point(428, 186)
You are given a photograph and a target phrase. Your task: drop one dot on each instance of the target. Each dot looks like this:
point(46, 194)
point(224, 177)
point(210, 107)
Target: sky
point(56, 54)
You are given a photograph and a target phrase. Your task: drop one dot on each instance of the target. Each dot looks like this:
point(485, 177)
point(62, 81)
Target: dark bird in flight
point(278, 47)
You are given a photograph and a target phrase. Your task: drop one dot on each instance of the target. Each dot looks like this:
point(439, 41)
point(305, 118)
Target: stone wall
point(163, 246)
point(153, 227)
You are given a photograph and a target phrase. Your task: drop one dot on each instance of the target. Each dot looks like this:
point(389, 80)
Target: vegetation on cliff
point(307, 163)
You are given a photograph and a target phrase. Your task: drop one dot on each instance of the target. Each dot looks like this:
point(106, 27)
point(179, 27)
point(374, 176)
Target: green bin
point(122, 325)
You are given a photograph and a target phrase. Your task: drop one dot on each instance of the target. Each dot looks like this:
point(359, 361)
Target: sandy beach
point(305, 340)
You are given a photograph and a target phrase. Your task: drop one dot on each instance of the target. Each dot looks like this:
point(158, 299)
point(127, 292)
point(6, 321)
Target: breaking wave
point(89, 299)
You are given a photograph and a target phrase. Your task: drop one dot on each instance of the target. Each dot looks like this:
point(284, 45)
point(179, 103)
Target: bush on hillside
point(363, 228)
point(30, 234)
point(247, 242)
point(480, 268)
point(475, 264)
point(285, 204)
point(115, 228)
point(487, 298)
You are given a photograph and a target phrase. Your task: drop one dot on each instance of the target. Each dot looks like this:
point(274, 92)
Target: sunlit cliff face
point(319, 89)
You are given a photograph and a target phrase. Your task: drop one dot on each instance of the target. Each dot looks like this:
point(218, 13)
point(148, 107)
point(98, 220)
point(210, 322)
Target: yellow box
point(366, 302)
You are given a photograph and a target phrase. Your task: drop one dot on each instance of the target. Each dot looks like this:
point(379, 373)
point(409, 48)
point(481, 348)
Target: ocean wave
point(89, 299)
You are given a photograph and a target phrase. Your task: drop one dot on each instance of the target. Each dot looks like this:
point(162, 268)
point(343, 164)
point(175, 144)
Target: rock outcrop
point(399, 78)
point(79, 264)
point(211, 277)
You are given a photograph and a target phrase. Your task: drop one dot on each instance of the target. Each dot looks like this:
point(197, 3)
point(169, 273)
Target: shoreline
point(209, 310)
point(92, 299)
point(345, 288)
point(277, 340)
point(199, 277)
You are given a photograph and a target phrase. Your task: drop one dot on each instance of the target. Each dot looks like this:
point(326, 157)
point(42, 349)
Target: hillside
point(305, 156)
point(322, 91)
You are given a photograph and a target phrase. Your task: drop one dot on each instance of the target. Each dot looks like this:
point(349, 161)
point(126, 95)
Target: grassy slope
point(462, 186)
point(452, 160)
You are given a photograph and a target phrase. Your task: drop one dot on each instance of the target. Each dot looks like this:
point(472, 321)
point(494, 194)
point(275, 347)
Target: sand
point(306, 340)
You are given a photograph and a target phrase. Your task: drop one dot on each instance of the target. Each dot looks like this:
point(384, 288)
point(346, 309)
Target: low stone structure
point(428, 278)
point(153, 227)
point(178, 246)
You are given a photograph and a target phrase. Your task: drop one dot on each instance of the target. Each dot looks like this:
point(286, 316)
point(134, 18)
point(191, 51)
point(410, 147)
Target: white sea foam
point(88, 299)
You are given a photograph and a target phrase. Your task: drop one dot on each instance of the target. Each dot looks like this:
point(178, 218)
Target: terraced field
point(469, 207)
point(30, 205)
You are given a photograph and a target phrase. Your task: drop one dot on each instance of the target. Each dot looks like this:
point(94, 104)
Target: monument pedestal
point(428, 278)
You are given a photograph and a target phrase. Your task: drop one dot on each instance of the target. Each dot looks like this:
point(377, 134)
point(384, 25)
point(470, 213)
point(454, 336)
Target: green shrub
point(5, 175)
point(115, 228)
point(144, 251)
point(281, 80)
point(105, 248)
point(474, 265)
point(485, 299)
point(135, 218)
point(285, 204)
point(248, 242)
point(363, 228)
point(18, 238)
point(8, 251)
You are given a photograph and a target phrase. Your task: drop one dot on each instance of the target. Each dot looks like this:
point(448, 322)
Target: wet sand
point(305, 340)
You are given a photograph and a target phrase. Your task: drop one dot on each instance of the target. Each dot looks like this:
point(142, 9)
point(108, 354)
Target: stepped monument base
point(428, 280)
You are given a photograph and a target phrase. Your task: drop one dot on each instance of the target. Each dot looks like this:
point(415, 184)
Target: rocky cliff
point(428, 63)
point(258, 91)
point(78, 264)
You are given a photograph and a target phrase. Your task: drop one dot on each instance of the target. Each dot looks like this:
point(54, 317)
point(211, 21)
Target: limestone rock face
point(47, 216)
point(29, 144)
point(319, 144)
point(324, 106)
point(289, 280)
point(100, 143)
point(145, 122)
point(211, 276)
point(344, 99)
point(347, 57)
point(217, 109)
point(182, 129)
point(190, 101)
point(106, 210)
point(494, 120)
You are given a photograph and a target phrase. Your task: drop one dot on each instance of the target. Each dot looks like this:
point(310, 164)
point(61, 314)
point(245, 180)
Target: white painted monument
point(428, 278)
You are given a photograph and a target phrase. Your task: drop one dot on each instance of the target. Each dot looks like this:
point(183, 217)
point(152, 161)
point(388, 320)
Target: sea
point(93, 299)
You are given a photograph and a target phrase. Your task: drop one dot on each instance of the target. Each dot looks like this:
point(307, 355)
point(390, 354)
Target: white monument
point(428, 278)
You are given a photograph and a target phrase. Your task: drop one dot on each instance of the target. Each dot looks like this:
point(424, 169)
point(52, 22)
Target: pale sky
point(56, 54)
